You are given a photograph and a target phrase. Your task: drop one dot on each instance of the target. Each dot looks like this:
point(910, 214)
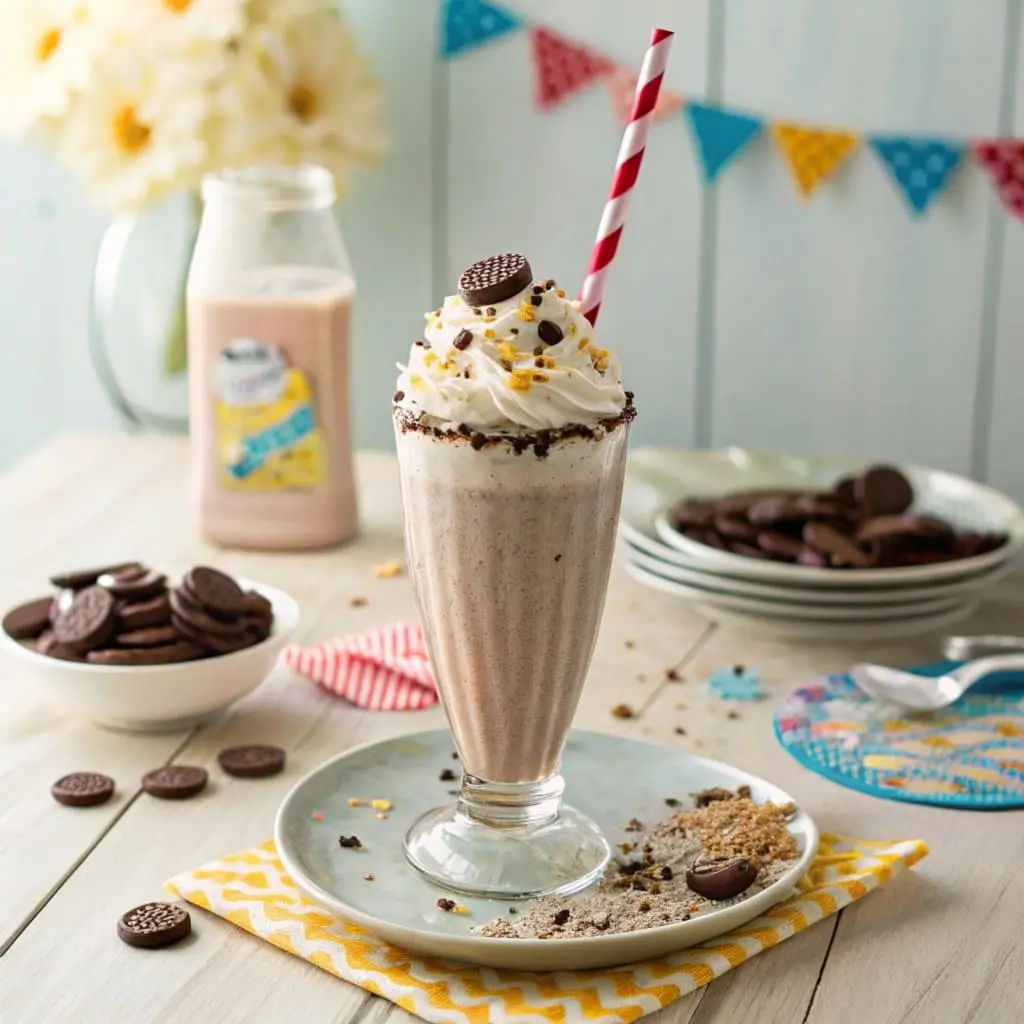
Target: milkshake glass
point(511, 427)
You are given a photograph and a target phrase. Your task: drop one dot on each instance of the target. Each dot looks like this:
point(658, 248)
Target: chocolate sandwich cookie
point(153, 636)
point(89, 622)
point(495, 279)
point(135, 587)
point(883, 490)
point(202, 622)
point(840, 548)
point(257, 604)
point(213, 591)
point(156, 611)
point(29, 620)
point(252, 761)
point(81, 578)
point(49, 645)
point(180, 650)
point(175, 781)
point(733, 527)
point(154, 925)
point(212, 642)
point(83, 789)
point(689, 514)
point(775, 512)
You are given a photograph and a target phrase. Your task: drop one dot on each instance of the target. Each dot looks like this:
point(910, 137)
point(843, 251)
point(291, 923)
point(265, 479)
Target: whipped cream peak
point(527, 362)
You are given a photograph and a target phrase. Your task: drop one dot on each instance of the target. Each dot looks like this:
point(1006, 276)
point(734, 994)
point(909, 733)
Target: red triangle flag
point(562, 67)
point(621, 84)
point(1003, 161)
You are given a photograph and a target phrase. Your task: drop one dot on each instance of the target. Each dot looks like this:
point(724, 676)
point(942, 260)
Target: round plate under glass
point(610, 779)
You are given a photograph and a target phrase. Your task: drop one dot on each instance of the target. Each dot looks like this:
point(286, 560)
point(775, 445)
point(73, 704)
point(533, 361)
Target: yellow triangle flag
point(812, 154)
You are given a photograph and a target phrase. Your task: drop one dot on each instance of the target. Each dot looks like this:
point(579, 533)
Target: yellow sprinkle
point(489, 319)
point(415, 380)
point(460, 908)
point(541, 378)
point(572, 330)
point(598, 354)
point(354, 801)
point(526, 312)
point(456, 301)
point(381, 805)
point(430, 358)
point(387, 569)
point(507, 351)
point(520, 380)
point(489, 333)
point(560, 292)
point(583, 343)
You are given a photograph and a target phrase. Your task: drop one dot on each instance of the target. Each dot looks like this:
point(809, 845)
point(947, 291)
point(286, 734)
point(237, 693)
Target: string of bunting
point(920, 167)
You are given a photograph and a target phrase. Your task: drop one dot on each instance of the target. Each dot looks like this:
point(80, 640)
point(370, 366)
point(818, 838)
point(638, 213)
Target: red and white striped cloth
point(386, 670)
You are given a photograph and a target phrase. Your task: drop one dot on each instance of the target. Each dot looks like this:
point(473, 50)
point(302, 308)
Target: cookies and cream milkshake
point(511, 426)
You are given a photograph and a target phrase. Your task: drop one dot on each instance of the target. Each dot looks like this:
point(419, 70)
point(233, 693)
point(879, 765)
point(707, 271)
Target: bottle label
point(267, 435)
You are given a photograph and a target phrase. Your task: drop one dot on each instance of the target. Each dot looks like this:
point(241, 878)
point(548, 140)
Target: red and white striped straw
point(627, 169)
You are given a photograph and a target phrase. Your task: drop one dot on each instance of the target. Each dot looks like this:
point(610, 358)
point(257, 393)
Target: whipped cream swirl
point(524, 364)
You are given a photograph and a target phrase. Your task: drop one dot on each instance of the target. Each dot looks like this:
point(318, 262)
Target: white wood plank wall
point(742, 315)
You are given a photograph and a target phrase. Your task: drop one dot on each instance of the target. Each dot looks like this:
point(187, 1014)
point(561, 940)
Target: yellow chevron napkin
point(251, 890)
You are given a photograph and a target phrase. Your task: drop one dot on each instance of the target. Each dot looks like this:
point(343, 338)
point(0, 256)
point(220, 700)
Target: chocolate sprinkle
point(463, 340)
point(550, 332)
point(447, 775)
point(535, 300)
point(349, 843)
point(399, 395)
point(446, 905)
point(562, 917)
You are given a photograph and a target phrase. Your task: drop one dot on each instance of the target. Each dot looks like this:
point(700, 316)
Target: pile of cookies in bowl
point(815, 548)
point(199, 643)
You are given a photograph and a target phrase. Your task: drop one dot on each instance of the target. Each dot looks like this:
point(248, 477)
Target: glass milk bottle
point(270, 295)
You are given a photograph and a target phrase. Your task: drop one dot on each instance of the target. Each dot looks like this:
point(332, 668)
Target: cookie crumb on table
point(387, 569)
point(623, 711)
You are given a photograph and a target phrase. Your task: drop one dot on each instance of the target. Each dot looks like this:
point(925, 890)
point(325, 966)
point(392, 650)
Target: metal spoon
point(967, 648)
point(929, 693)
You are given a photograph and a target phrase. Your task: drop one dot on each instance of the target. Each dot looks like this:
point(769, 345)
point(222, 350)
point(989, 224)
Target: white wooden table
point(941, 945)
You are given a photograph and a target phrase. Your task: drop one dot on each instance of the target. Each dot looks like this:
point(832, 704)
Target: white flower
point(137, 133)
point(47, 52)
point(299, 91)
point(174, 21)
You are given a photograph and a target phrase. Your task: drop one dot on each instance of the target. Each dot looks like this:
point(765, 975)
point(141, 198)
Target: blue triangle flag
point(471, 23)
point(921, 168)
point(720, 135)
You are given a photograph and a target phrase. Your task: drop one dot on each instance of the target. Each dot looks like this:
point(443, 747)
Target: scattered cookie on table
point(154, 925)
point(83, 789)
point(175, 781)
point(252, 761)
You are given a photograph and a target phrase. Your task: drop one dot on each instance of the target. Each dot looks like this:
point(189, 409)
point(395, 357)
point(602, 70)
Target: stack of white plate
point(798, 601)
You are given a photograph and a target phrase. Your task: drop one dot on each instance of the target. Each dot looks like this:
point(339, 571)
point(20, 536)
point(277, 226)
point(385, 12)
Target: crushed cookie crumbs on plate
point(357, 602)
point(623, 711)
point(638, 893)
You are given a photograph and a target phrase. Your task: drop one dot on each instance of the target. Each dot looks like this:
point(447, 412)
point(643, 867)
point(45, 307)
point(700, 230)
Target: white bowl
point(658, 477)
point(155, 698)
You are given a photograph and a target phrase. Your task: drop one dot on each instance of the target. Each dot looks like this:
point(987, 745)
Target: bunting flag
point(921, 168)
point(719, 135)
point(1003, 161)
point(621, 83)
point(563, 67)
point(812, 154)
point(471, 23)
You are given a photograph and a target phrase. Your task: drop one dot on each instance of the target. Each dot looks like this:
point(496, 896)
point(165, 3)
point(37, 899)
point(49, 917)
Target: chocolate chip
point(399, 395)
point(539, 363)
point(635, 825)
point(446, 905)
point(561, 917)
point(644, 906)
point(680, 731)
point(463, 340)
point(666, 873)
point(536, 300)
point(515, 330)
point(671, 801)
point(495, 279)
point(538, 289)
point(349, 843)
point(447, 775)
point(478, 441)
point(512, 910)
point(549, 332)
point(491, 311)
point(539, 350)
point(478, 312)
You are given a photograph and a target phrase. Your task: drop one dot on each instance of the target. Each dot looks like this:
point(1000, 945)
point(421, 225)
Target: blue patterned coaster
point(969, 755)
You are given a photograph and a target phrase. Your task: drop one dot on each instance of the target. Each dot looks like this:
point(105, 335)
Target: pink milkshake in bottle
point(270, 295)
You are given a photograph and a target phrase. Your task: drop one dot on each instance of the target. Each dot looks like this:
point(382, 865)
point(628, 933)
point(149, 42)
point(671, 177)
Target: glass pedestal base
point(508, 841)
